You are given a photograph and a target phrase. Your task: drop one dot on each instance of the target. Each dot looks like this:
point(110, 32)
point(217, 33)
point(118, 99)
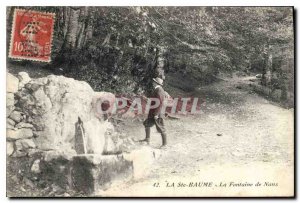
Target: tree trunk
point(269, 67)
point(90, 25)
point(65, 60)
point(160, 63)
point(66, 19)
point(267, 70)
point(81, 27)
point(71, 35)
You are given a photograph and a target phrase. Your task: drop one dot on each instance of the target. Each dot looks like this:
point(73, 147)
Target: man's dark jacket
point(158, 93)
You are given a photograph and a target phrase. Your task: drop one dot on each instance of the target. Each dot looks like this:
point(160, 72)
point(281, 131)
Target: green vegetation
point(120, 49)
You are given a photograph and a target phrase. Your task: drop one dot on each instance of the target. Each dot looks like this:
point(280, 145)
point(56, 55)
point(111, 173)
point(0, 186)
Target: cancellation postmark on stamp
point(31, 35)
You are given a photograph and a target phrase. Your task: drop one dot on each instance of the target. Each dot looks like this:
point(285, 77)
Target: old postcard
point(142, 101)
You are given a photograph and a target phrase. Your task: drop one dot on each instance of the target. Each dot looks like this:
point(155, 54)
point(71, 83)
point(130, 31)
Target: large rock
point(9, 148)
point(12, 83)
point(10, 102)
point(53, 105)
point(23, 79)
point(16, 116)
point(24, 144)
point(15, 134)
point(35, 167)
point(24, 125)
point(10, 124)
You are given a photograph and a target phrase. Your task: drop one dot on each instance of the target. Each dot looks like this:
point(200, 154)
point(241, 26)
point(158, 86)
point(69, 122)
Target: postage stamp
point(31, 35)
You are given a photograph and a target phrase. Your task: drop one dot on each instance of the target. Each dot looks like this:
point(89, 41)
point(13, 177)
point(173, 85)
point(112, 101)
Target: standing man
point(155, 116)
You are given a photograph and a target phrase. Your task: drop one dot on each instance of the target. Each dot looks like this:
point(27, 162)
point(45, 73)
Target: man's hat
point(158, 80)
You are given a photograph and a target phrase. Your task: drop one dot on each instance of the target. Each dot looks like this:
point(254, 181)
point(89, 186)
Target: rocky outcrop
point(12, 83)
point(53, 125)
point(52, 105)
point(46, 111)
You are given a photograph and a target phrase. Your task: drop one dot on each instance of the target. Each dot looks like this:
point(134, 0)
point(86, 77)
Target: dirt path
point(254, 136)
